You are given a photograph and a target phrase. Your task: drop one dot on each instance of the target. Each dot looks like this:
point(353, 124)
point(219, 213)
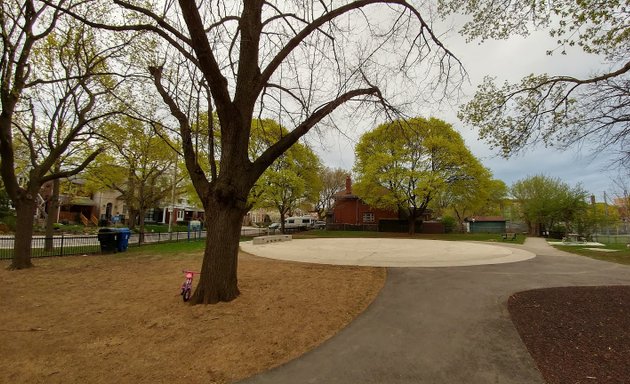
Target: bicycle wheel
point(186, 294)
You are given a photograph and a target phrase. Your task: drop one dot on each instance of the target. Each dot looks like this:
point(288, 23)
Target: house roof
point(80, 200)
point(485, 218)
point(343, 195)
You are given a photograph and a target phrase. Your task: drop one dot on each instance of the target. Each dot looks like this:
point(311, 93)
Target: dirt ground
point(120, 318)
point(576, 334)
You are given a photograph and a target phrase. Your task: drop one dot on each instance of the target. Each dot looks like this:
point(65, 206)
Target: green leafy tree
point(54, 91)
point(597, 217)
point(404, 165)
point(139, 165)
point(545, 202)
point(480, 195)
point(620, 196)
point(291, 180)
point(557, 110)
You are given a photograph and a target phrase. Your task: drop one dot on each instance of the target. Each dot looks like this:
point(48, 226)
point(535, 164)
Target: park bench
point(271, 239)
point(509, 236)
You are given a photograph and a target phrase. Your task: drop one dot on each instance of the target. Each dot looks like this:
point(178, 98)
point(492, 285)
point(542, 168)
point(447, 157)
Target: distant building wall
point(487, 227)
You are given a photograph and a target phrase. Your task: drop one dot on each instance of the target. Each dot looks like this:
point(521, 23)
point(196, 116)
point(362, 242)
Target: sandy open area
point(386, 252)
point(120, 318)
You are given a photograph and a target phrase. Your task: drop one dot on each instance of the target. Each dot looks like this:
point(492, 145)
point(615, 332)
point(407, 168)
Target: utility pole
point(606, 215)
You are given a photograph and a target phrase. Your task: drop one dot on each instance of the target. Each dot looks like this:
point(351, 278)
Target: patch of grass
point(493, 237)
point(7, 253)
point(622, 256)
point(168, 248)
point(163, 228)
point(68, 229)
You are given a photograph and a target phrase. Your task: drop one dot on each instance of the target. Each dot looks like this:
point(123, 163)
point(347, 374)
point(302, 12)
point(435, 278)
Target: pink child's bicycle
point(187, 285)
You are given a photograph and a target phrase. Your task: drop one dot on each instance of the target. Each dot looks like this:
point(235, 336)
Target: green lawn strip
point(169, 247)
point(622, 256)
point(7, 253)
point(491, 237)
point(174, 246)
point(163, 228)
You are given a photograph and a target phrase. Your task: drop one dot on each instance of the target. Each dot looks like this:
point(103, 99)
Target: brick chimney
point(348, 185)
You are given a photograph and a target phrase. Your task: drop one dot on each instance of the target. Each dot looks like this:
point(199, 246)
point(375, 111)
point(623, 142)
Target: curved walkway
point(444, 325)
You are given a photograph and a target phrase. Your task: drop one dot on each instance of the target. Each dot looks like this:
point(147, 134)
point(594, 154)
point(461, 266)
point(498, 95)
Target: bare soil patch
point(120, 318)
point(576, 334)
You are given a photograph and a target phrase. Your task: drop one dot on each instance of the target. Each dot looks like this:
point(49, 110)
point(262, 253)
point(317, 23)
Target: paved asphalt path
point(444, 325)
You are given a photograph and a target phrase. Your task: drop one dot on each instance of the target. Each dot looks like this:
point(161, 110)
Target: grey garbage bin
point(107, 238)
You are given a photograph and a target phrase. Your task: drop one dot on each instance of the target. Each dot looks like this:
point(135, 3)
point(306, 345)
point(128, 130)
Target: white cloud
point(507, 60)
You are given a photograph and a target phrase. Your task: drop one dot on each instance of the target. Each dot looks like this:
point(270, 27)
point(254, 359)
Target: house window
point(180, 214)
point(368, 217)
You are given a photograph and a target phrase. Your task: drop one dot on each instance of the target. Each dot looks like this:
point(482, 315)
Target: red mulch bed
point(576, 334)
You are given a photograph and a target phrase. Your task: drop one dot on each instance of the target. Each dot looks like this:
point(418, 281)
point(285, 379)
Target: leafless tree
point(333, 182)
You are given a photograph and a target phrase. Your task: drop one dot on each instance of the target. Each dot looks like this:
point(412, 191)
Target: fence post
point(62, 238)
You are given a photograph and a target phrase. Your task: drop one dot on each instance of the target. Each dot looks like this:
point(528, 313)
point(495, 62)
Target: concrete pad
point(388, 252)
point(577, 244)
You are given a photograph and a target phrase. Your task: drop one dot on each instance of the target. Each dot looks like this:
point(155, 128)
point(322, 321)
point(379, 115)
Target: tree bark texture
point(51, 219)
point(25, 217)
point(218, 279)
point(412, 225)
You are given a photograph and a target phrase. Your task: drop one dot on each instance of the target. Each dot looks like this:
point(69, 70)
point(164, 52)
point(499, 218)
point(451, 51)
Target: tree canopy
point(406, 164)
point(554, 109)
point(138, 164)
point(292, 180)
point(55, 89)
point(481, 195)
point(545, 202)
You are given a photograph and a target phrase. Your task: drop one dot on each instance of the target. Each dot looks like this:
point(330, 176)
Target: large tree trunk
point(141, 213)
point(25, 217)
point(412, 225)
point(220, 260)
point(413, 215)
point(51, 219)
point(282, 217)
point(132, 217)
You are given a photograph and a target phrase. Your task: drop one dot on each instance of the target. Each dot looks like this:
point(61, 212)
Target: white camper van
point(299, 223)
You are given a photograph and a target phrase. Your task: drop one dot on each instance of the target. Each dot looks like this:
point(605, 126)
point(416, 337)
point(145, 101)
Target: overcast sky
point(507, 60)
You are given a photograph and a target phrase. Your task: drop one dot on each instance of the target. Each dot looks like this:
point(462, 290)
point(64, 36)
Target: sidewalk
point(444, 325)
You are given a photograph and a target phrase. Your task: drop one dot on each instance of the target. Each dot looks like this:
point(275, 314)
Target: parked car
point(274, 226)
point(319, 224)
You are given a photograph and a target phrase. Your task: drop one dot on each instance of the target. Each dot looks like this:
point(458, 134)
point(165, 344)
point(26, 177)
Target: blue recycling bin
point(122, 239)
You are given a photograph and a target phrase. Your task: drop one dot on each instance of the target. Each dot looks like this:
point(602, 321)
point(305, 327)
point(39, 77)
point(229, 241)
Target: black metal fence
point(56, 246)
point(65, 245)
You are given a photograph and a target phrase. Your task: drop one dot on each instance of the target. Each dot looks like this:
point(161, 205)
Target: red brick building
point(351, 210)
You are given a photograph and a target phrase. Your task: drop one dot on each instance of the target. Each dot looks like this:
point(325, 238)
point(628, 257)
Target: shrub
point(449, 224)
point(8, 223)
